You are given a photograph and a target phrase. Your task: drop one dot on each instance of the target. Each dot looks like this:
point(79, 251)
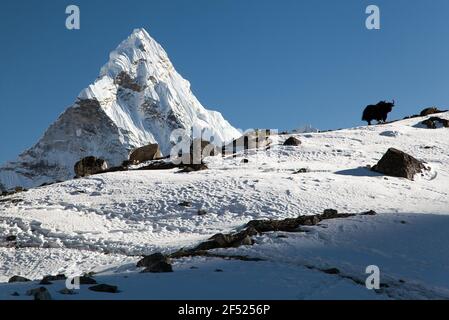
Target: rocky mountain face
point(138, 98)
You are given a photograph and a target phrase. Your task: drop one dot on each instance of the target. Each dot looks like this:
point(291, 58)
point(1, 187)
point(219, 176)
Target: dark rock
point(331, 271)
point(11, 238)
point(330, 213)
point(245, 161)
point(232, 240)
point(45, 282)
point(104, 288)
point(185, 204)
point(429, 111)
point(87, 280)
point(432, 122)
point(15, 294)
point(89, 165)
point(58, 277)
point(18, 279)
point(193, 167)
point(159, 165)
point(397, 163)
point(218, 270)
point(292, 141)
point(146, 153)
point(156, 263)
point(67, 291)
point(293, 224)
point(39, 293)
point(302, 170)
point(128, 163)
point(202, 212)
point(369, 213)
point(125, 81)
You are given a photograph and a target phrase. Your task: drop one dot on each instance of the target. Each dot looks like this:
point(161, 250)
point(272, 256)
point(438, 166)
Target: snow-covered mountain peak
point(138, 98)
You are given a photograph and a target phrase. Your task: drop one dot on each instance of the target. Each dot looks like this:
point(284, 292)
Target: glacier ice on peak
point(138, 98)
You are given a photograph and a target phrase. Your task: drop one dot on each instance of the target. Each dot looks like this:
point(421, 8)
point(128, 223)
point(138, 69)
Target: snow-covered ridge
point(139, 98)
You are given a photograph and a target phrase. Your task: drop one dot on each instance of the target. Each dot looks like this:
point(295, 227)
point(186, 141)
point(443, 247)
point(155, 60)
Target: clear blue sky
point(262, 63)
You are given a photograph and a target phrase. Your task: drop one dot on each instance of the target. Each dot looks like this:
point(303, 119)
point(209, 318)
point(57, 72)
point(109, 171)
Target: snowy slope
point(138, 98)
point(104, 222)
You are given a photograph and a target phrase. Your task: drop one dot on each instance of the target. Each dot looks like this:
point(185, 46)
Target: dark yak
point(378, 112)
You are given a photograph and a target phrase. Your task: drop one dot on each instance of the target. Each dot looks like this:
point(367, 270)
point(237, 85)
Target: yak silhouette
point(378, 112)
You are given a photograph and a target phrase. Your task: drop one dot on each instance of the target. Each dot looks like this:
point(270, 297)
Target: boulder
point(18, 279)
point(193, 167)
point(429, 111)
point(232, 240)
point(11, 238)
point(200, 149)
point(87, 280)
point(292, 141)
point(146, 153)
point(89, 165)
point(397, 163)
point(435, 122)
point(156, 263)
point(104, 288)
point(39, 293)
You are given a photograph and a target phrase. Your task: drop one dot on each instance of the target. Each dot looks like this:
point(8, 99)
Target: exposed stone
point(331, 271)
point(146, 153)
point(18, 279)
point(156, 263)
point(397, 163)
point(186, 168)
point(39, 293)
point(201, 212)
point(67, 291)
point(45, 282)
point(89, 165)
point(185, 204)
point(58, 277)
point(11, 238)
point(87, 280)
point(200, 149)
point(232, 240)
point(435, 122)
point(292, 141)
point(104, 288)
point(429, 111)
point(125, 81)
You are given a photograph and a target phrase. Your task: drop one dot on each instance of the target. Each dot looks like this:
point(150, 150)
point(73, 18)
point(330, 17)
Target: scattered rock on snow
point(89, 165)
point(397, 163)
point(104, 288)
point(87, 280)
point(185, 204)
point(67, 291)
point(292, 141)
point(145, 153)
point(58, 277)
point(435, 122)
point(156, 263)
point(429, 111)
point(193, 167)
point(11, 238)
point(40, 293)
point(202, 212)
point(18, 279)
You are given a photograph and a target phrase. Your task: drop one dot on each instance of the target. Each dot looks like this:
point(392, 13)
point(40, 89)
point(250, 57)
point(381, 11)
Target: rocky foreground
point(250, 226)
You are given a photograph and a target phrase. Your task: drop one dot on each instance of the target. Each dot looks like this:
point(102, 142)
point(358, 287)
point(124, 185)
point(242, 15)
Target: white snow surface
point(112, 117)
point(104, 223)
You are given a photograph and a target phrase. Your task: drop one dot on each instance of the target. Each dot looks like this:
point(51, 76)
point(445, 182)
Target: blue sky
point(262, 63)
